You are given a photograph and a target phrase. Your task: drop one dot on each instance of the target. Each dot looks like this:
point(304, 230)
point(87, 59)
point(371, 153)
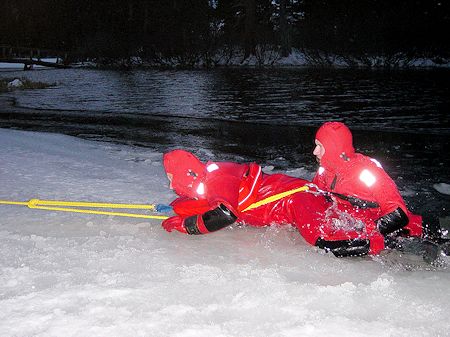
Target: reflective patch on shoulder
point(320, 170)
point(376, 162)
point(201, 189)
point(212, 167)
point(367, 177)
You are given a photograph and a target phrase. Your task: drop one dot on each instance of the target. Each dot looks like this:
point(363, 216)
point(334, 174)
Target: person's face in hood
point(319, 150)
point(184, 171)
point(334, 144)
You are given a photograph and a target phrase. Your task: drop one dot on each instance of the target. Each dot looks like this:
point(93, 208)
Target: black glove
point(392, 222)
point(344, 248)
point(211, 221)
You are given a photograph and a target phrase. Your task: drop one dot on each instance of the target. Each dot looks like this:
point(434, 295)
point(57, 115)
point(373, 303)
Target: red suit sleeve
point(186, 206)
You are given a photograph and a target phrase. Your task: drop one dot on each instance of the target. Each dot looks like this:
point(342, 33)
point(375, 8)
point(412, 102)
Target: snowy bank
point(89, 275)
point(265, 57)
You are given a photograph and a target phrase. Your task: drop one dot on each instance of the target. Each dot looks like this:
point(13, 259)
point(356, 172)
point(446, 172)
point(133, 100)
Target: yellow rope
point(50, 205)
point(7, 202)
point(276, 197)
point(76, 210)
point(39, 202)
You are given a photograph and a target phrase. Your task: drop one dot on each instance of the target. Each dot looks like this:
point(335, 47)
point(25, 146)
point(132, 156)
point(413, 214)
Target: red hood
point(187, 171)
point(336, 138)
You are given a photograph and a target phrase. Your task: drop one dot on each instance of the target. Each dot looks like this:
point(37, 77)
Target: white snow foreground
point(88, 275)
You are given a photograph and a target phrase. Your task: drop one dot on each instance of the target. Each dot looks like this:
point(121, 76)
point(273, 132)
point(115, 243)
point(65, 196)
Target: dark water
point(407, 101)
point(399, 117)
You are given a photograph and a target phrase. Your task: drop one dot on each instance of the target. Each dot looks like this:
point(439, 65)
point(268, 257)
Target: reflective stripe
point(253, 187)
point(376, 162)
point(201, 189)
point(367, 177)
point(212, 167)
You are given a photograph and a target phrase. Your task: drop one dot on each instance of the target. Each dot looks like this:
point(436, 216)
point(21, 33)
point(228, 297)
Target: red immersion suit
point(361, 186)
point(216, 194)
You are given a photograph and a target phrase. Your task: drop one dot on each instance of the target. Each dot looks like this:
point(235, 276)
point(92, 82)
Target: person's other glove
point(174, 223)
point(392, 222)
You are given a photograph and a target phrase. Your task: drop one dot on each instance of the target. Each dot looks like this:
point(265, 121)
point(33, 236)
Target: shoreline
point(294, 60)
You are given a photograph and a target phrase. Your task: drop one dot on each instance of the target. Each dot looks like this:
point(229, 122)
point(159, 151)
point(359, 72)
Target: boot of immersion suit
point(445, 227)
point(445, 248)
point(438, 232)
point(430, 226)
point(429, 250)
point(445, 235)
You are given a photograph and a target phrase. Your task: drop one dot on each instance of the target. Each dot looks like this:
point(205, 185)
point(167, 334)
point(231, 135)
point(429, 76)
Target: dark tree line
point(187, 31)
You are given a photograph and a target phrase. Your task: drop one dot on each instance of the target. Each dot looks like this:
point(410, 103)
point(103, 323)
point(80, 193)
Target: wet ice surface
point(89, 275)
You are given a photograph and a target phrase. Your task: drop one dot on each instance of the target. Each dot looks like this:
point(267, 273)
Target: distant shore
point(296, 59)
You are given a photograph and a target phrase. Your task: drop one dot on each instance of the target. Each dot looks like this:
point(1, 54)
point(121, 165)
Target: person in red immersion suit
point(217, 194)
point(361, 187)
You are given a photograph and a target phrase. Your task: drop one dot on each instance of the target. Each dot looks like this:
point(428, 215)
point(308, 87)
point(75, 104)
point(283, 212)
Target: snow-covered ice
point(67, 274)
point(15, 66)
point(16, 83)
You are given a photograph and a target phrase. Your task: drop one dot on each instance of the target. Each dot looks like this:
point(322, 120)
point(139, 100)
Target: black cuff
point(218, 218)
point(392, 222)
point(213, 220)
point(191, 225)
point(343, 248)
